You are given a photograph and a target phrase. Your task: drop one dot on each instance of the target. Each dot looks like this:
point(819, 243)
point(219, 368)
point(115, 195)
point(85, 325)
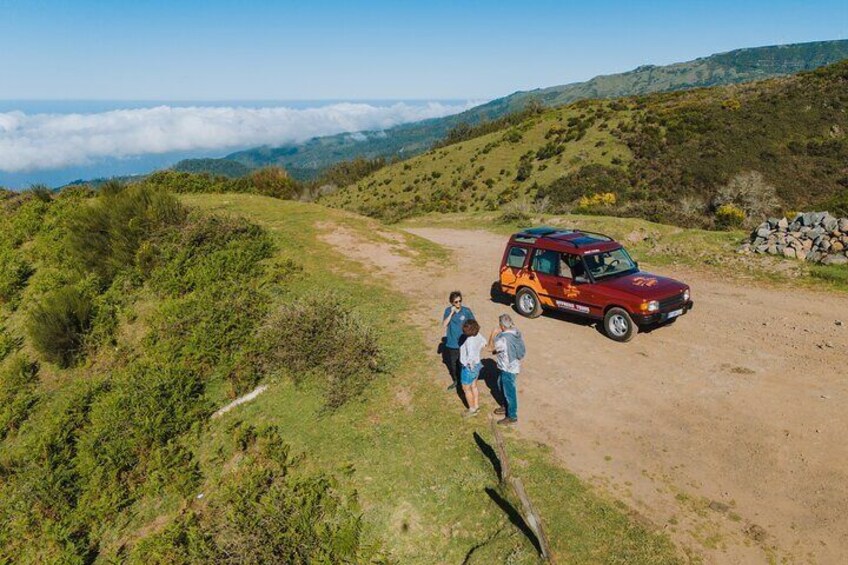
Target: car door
point(570, 295)
point(544, 272)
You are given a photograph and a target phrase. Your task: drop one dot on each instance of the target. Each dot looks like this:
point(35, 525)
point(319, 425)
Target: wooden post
point(533, 518)
point(530, 515)
point(501, 449)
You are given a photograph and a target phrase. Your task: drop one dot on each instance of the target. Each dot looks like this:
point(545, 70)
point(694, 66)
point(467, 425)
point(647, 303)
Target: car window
point(516, 257)
point(610, 263)
point(545, 262)
point(568, 264)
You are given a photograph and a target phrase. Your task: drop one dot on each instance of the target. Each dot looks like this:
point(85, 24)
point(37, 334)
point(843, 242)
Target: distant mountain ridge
point(306, 160)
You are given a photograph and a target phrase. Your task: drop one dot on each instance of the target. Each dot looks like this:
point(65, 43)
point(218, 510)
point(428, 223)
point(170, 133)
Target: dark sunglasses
point(458, 301)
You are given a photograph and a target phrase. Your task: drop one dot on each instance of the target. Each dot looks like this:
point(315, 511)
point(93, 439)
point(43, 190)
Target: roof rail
point(540, 231)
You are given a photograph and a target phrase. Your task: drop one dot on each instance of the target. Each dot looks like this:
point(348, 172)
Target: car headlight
point(686, 295)
point(651, 306)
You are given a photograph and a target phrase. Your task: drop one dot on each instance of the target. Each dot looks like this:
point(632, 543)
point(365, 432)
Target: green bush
point(18, 379)
point(132, 432)
point(104, 237)
point(8, 343)
point(14, 274)
point(267, 509)
point(321, 333)
point(588, 180)
point(58, 325)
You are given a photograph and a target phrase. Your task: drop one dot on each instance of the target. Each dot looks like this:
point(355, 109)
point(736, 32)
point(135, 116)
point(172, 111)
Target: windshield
point(610, 263)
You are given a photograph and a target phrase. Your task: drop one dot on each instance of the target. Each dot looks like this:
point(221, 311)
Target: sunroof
point(585, 240)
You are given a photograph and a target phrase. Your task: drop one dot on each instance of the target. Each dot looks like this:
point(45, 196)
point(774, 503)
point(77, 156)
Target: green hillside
point(127, 318)
point(738, 66)
point(672, 157)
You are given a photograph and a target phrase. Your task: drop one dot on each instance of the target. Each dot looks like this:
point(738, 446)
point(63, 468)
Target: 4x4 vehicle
point(588, 274)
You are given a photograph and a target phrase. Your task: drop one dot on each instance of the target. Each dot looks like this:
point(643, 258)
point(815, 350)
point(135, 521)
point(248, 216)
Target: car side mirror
point(580, 279)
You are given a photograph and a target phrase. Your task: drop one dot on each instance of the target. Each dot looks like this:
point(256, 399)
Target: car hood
point(645, 285)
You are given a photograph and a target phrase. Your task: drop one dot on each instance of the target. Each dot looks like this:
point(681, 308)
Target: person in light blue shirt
point(455, 315)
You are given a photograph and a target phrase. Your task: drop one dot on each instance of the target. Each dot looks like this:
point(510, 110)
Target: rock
point(824, 245)
point(837, 323)
point(772, 250)
point(830, 223)
point(834, 259)
point(763, 231)
point(816, 218)
point(789, 252)
point(782, 224)
point(836, 246)
point(813, 257)
point(807, 219)
point(762, 248)
point(758, 241)
point(807, 244)
point(843, 225)
point(719, 506)
point(744, 248)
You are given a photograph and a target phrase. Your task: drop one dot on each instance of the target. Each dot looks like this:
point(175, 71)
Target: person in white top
point(507, 344)
point(469, 359)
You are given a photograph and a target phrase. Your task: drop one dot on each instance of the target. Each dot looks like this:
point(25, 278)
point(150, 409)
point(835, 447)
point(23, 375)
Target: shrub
point(596, 201)
point(586, 181)
point(8, 343)
point(58, 325)
point(104, 237)
point(267, 509)
point(273, 181)
point(18, 378)
point(749, 193)
point(730, 216)
point(14, 273)
point(516, 212)
point(525, 169)
point(321, 333)
point(132, 432)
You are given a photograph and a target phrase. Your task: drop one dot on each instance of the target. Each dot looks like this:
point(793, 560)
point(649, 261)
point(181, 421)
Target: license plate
point(674, 313)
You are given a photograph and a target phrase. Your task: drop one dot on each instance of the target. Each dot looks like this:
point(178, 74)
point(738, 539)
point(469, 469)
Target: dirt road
point(728, 429)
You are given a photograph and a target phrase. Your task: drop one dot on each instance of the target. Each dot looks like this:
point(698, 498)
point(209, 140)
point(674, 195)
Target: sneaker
point(500, 410)
point(451, 386)
point(470, 412)
point(507, 421)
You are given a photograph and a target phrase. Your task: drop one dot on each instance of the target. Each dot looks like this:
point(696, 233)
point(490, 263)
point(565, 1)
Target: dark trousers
point(451, 359)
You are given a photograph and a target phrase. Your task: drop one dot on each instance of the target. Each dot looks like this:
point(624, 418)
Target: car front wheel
point(618, 325)
point(527, 303)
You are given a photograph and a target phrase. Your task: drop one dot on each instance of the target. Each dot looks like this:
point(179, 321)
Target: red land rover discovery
point(587, 274)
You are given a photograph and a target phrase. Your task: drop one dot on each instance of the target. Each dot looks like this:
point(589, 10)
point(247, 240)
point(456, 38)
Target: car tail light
point(686, 295)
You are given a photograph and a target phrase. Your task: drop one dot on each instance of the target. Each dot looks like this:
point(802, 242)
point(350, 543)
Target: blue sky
point(218, 50)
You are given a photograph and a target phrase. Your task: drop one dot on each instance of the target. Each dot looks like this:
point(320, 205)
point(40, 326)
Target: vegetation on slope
point(674, 158)
point(304, 161)
point(110, 455)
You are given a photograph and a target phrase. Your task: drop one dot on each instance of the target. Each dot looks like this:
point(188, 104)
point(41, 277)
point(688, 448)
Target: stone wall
point(811, 236)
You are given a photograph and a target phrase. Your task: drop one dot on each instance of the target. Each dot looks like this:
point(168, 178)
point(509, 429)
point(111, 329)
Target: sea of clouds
point(39, 141)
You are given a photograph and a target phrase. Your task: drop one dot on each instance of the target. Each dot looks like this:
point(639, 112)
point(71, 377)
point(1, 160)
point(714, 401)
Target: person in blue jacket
point(455, 315)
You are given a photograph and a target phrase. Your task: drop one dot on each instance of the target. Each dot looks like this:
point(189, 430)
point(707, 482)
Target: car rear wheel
point(618, 325)
point(527, 303)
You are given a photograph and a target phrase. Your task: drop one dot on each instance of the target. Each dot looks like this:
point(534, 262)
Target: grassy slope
point(672, 146)
point(412, 182)
point(421, 477)
point(736, 66)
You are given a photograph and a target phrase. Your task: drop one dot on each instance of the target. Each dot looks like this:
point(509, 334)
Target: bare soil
point(728, 429)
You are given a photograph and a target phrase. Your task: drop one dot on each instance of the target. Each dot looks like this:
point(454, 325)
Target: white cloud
point(47, 141)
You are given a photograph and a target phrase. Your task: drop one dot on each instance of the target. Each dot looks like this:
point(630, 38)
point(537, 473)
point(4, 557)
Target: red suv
point(588, 274)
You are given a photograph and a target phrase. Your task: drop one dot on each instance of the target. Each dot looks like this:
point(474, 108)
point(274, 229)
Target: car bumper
point(660, 317)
